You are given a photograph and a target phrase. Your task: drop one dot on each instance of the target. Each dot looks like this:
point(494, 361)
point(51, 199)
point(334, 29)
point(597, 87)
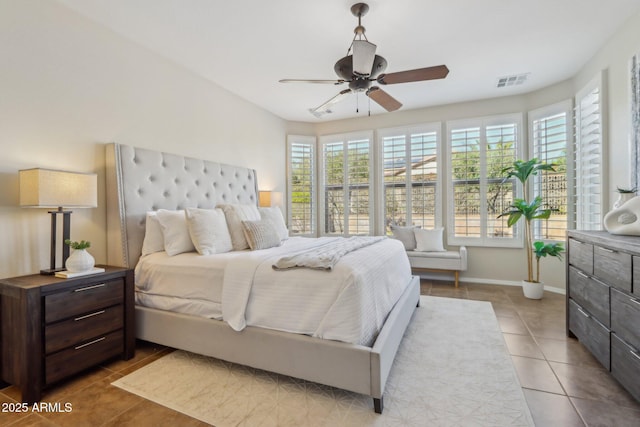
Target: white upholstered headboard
point(140, 180)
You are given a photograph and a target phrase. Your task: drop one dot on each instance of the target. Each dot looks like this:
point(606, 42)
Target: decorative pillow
point(406, 235)
point(208, 230)
point(274, 215)
point(429, 240)
point(235, 214)
point(153, 237)
point(175, 231)
point(260, 234)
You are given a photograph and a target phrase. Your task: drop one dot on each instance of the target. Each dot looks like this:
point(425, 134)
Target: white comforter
point(349, 303)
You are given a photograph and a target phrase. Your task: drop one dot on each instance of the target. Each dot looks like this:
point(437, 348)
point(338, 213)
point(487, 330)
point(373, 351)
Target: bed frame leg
point(377, 405)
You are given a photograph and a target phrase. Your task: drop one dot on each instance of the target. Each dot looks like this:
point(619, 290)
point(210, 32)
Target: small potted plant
point(80, 260)
point(625, 194)
point(530, 211)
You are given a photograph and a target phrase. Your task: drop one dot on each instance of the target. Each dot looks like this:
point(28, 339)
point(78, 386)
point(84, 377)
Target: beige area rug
point(452, 369)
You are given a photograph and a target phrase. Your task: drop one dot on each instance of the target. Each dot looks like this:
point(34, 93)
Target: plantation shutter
point(588, 159)
point(549, 138)
point(301, 185)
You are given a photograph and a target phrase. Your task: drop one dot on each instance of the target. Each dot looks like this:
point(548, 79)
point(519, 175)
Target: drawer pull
point(86, 316)
point(88, 288)
point(584, 313)
point(581, 274)
point(611, 251)
point(636, 355)
point(637, 301)
point(90, 343)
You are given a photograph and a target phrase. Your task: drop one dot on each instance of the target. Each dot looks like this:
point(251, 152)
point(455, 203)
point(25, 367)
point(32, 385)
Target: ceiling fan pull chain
point(369, 102)
point(357, 103)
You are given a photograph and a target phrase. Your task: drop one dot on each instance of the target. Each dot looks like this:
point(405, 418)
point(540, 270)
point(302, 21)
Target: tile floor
point(563, 384)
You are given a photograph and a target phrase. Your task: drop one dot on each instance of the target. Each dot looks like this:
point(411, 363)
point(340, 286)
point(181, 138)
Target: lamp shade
point(46, 188)
point(264, 199)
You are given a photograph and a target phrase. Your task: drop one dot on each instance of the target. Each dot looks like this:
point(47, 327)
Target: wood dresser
point(53, 328)
point(603, 301)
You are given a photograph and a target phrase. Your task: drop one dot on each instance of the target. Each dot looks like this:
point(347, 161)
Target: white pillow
point(429, 240)
point(175, 231)
point(235, 214)
point(208, 231)
point(274, 215)
point(406, 235)
point(260, 234)
point(153, 237)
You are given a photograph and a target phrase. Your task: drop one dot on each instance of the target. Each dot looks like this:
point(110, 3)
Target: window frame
point(310, 141)
point(407, 132)
point(517, 240)
point(565, 107)
point(345, 138)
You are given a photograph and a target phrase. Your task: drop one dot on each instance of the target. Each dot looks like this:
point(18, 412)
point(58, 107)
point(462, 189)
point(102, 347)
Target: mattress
point(349, 303)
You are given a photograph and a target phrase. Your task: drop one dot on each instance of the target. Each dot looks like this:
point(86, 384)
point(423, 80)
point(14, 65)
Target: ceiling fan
point(361, 67)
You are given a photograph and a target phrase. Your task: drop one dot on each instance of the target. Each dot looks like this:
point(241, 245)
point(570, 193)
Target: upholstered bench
point(426, 250)
point(453, 261)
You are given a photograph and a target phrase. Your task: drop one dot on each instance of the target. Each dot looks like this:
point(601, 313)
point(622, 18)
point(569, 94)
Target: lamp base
point(51, 271)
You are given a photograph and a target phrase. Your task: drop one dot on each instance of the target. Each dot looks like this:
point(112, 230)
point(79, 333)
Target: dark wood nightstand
point(53, 328)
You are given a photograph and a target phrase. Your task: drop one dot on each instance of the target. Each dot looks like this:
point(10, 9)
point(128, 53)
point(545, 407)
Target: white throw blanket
point(348, 303)
point(326, 256)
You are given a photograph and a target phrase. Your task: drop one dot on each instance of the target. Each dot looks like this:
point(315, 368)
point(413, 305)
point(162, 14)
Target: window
point(550, 129)
point(588, 156)
point(410, 177)
point(478, 150)
point(347, 194)
point(301, 185)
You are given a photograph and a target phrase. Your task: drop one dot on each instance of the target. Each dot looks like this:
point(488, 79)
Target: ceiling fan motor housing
point(344, 69)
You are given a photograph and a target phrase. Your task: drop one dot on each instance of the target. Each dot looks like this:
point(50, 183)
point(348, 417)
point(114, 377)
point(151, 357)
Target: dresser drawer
point(613, 267)
point(591, 333)
point(625, 365)
point(581, 255)
point(67, 362)
point(625, 317)
point(590, 293)
point(82, 328)
point(82, 300)
point(636, 276)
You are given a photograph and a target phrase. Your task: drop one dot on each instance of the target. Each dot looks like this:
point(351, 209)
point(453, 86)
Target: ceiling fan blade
point(383, 99)
point(417, 75)
point(364, 53)
point(326, 107)
point(330, 82)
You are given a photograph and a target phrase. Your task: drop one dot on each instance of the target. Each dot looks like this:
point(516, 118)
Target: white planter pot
point(533, 290)
point(80, 260)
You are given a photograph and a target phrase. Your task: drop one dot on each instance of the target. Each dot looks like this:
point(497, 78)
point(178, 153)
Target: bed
point(142, 180)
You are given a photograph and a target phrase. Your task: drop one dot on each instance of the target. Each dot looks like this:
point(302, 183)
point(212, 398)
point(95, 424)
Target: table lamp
point(46, 188)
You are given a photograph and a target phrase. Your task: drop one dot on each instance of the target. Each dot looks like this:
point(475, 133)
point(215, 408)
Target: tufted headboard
point(140, 180)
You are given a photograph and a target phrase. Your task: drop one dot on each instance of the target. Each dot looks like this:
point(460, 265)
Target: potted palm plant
point(530, 211)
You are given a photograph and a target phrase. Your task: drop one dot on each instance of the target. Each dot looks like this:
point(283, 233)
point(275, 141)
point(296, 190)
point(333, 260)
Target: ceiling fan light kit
point(361, 67)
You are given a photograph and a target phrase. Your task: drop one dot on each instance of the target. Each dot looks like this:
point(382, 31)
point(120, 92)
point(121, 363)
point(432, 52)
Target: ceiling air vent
point(514, 80)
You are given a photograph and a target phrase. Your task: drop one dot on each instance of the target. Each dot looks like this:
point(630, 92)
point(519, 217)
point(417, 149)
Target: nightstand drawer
point(82, 328)
point(625, 365)
point(75, 359)
point(590, 293)
point(84, 299)
point(625, 317)
point(591, 333)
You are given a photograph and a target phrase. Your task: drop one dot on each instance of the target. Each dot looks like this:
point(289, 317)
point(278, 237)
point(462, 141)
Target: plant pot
point(622, 199)
point(80, 260)
point(533, 290)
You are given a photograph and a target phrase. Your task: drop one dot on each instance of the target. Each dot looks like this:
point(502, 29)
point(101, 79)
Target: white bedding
point(349, 303)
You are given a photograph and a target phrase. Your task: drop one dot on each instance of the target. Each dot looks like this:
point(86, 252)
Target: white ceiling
point(247, 46)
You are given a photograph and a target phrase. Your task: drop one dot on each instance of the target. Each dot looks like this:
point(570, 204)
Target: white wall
point(68, 86)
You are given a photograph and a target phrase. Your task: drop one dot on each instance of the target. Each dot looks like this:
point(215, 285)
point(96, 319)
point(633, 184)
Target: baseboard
point(484, 281)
